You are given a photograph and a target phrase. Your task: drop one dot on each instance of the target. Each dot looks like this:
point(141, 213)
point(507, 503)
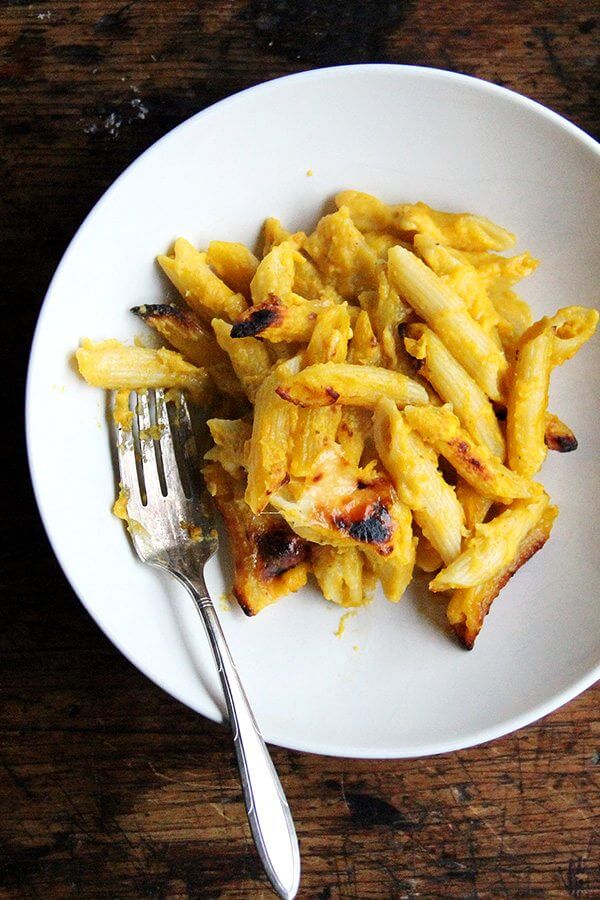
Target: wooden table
point(109, 788)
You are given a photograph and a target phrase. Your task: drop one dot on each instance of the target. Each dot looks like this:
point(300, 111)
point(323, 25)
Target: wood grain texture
point(108, 788)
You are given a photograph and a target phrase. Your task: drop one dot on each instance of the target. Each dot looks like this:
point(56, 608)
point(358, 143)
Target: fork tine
point(147, 449)
point(128, 475)
point(188, 443)
point(167, 447)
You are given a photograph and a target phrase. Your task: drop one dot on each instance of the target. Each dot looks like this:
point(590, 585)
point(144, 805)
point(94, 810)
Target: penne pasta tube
point(249, 358)
point(183, 331)
point(514, 317)
point(547, 343)
point(277, 320)
point(342, 255)
point(462, 231)
point(274, 275)
point(114, 366)
point(270, 561)
point(367, 212)
point(274, 422)
point(387, 311)
point(364, 347)
point(427, 558)
point(316, 427)
point(354, 428)
point(492, 547)
point(396, 572)
point(528, 400)
point(202, 290)
point(454, 385)
point(381, 241)
point(475, 505)
point(327, 384)
point(468, 607)
point(571, 328)
point(190, 338)
point(273, 234)
point(462, 278)
point(230, 438)
point(441, 429)
point(234, 264)
point(473, 348)
point(418, 481)
point(344, 575)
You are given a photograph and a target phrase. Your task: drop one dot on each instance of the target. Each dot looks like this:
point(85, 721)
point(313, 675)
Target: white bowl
point(395, 684)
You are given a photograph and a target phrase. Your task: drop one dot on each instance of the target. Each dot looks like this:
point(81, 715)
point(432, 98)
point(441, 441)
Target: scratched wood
point(108, 788)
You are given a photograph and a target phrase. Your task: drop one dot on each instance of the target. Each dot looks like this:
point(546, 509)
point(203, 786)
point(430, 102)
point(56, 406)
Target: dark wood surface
point(108, 788)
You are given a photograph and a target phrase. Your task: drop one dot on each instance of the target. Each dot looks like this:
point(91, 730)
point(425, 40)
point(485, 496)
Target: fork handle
point(267, 808)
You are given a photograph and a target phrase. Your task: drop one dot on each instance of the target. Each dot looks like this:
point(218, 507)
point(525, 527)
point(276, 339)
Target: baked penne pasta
point(475, 505)
point(189, 337)
point(492, 546)
point(364, 347)
point(358, 380)
point(462, 278)
point(396, 571)
point(342, 255)
point(454, 385)
point(270, 560)
point(249, 358)
point(418, 481)
point(114, 366)
point(441, 429)
point(202, 290)
point(234, 263)
point(463, 231)
point(547, 343)
point(276, 320)
point(468, 607)
point(274, 422)
point(445, 313)
point(231, 437)
point(274, 275)
point(426, 556)
point(344, 575)
point(329, 383)
point(316, 428)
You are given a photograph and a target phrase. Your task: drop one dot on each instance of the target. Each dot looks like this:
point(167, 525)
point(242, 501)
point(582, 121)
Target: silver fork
point(173, 528)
